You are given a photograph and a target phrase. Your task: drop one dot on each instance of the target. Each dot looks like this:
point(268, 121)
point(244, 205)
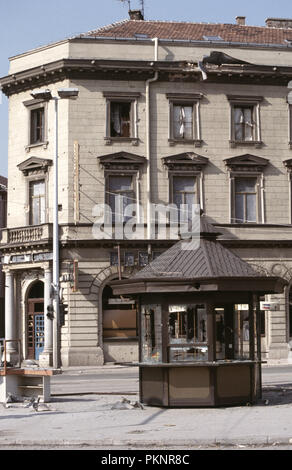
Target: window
point(121, 116)
point(245, 200)
point(37, 123)
point(120, 119)
point(187, 327)
point(184, 125)
point(151, 335)
point(246, 180)
point(120, 195)
point(245, 120)
point(182, 122)
point(37, 202)
point(244, 123)
point(119, 317)
point(37, 126)
point(184, 195)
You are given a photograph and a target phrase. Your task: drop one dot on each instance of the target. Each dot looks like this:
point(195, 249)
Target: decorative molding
point(189, 161)
point(246, 162)
point(35, 165)
point(122, 161)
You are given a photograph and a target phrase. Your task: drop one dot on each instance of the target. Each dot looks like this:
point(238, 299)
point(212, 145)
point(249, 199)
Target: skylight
point(141, 36)
point(212, 38)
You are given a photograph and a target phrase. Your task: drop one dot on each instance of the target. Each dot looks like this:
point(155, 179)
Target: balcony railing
point(26, 235)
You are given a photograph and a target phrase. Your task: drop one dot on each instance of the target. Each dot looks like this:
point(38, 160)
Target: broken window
point(120, 119)
point(244, 124)
point(183, 122)
point(245, 200)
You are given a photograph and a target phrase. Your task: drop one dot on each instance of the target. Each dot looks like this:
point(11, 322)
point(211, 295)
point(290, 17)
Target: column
point(10, 318)
point(46, 356)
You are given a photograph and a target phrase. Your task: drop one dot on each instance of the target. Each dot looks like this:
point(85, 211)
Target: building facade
point(167, 112)
point(3, 210)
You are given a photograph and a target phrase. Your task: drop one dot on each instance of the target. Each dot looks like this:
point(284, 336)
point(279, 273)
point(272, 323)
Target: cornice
point(107, 69)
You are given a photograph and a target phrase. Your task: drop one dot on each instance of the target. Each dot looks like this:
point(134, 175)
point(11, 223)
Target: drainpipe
point(148, 151)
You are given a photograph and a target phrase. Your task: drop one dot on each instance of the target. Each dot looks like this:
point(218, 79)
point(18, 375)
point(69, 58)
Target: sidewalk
point(101, 416)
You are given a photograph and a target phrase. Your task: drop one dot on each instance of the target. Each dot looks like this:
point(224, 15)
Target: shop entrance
point(35, 321)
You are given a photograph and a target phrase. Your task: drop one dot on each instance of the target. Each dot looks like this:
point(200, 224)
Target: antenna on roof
point(128, 1)
point(142, 7)
point(129, 5)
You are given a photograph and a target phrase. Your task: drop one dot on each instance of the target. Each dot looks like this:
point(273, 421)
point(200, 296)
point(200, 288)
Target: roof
point(175, 30)
point(209, 260)
point(205, 262)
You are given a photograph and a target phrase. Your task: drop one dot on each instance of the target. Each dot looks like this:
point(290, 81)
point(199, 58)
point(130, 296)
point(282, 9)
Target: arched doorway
point(35, 320)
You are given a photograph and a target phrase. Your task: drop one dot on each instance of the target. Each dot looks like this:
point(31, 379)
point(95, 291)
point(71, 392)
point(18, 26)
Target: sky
point(26, 24)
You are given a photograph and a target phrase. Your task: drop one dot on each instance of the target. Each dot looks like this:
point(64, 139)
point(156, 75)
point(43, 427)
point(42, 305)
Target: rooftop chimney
point(136, 15)
point(240, 20)
point(284, 23)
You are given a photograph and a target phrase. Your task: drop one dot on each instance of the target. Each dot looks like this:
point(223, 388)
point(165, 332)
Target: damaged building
point(167, 113)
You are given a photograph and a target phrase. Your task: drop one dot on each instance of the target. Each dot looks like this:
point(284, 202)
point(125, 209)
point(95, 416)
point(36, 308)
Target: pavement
point(98, 408)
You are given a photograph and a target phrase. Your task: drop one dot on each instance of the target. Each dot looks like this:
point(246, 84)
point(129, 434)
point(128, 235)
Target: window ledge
point(237, 143)
point(117, 340)
point(38, 144)
point(196, 142)
point(111, 140)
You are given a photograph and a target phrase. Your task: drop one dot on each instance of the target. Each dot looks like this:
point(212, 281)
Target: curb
point(263, 441)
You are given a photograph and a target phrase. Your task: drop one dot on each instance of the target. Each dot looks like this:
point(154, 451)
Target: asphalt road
point(113, 379)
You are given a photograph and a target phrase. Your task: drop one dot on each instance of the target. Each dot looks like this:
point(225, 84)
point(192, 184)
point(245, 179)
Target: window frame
point(237, 101)
point(290, 125)
point(34, 105)
point(122, 97)
point(112, 173)
point(30, 181)
point(185, 99)
point(259, 202)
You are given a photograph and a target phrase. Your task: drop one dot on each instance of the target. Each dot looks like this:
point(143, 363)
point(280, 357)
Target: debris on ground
point(126, 404)
point(37, 405)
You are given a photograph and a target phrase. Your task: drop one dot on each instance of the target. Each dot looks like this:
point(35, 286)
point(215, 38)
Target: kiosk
point(199, 324)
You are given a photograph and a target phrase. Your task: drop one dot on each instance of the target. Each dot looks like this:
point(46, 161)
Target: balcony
point(25, 236)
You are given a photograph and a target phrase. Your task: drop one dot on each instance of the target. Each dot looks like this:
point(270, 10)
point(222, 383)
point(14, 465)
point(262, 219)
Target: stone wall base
point(278, 352)
point(80, 356)
point(119, 352)
point(46, 359)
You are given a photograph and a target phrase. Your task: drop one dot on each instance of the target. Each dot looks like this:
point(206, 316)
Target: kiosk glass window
point(151, 333)
point(187, 333)
point(232, 332)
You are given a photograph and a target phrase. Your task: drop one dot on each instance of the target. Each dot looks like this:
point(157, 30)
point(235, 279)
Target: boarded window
point(245, 200)
point(37, 202)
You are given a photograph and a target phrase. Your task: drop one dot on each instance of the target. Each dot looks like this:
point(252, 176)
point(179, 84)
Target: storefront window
point(187, 330)
point(151, 333)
